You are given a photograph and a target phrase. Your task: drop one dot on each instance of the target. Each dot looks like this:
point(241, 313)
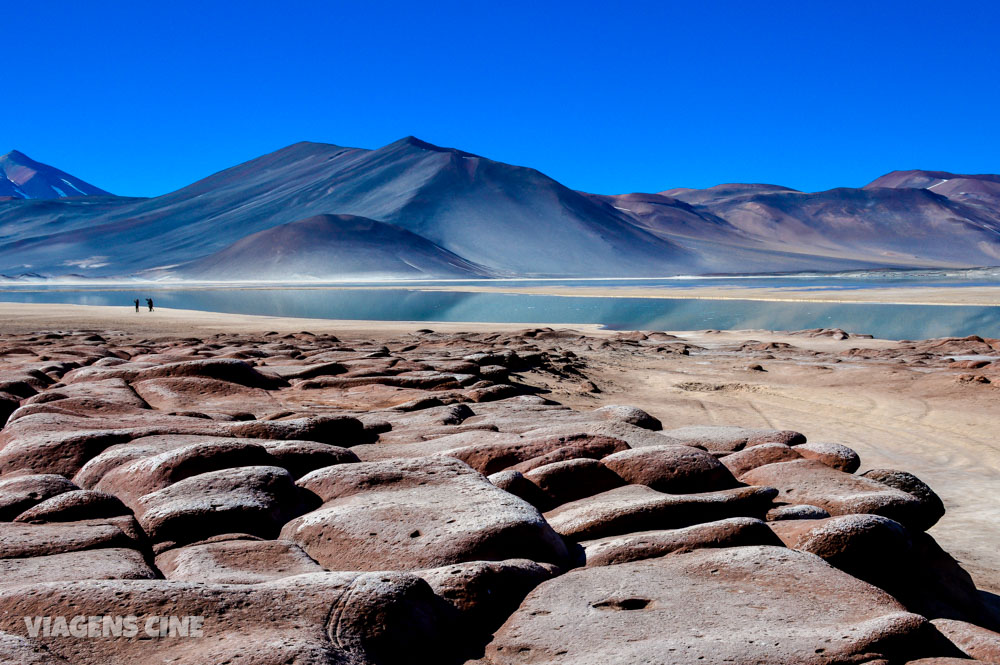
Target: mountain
point(843, 228)
point(508, 219)
point(331, 247)
point(980, 191)
point(410, 209)
point(23, 178)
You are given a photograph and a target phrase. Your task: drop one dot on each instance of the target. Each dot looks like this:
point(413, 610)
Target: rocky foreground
point(313, 500)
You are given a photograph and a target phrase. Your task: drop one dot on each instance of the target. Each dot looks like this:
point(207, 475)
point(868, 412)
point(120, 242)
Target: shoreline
point(943, 296)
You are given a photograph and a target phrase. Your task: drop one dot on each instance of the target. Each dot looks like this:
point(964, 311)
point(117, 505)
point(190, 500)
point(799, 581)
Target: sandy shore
point(21, 317)
point(917, 418)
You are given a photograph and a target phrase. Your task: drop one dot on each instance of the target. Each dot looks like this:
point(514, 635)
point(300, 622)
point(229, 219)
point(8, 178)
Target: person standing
point(149, 301)
point(136, 304)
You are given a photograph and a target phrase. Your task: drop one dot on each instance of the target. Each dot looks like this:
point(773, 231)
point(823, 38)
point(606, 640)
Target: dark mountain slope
point(330, 247)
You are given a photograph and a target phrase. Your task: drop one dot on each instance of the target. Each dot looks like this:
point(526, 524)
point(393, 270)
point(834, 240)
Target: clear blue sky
point(141, 98)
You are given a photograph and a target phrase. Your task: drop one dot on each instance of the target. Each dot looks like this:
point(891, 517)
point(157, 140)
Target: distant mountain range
point(410, 209)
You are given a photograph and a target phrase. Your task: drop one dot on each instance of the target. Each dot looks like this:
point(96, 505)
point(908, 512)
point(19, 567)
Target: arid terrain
point(358, 492)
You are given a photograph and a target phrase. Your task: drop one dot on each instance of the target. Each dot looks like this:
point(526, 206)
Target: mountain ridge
point(490, 218)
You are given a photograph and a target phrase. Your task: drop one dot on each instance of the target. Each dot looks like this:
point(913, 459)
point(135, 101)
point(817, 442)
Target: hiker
point(137, 304)
point(149, 301)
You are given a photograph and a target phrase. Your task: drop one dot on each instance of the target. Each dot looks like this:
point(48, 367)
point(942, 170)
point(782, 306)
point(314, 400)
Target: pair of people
point(149, 303)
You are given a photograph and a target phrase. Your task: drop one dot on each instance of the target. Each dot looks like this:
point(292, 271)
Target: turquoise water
point(886, 321)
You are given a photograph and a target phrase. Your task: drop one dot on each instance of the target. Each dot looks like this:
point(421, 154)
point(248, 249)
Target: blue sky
point(610, 97)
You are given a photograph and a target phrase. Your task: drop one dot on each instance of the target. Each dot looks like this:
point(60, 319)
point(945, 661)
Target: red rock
point(572, 479)
point(418, 513)
point(732, 532)
point(933, 507)
point(972, 640)
point(301, 457)
point(485, 593)
point(238, 561)
point(814, 483)
point(490, 458)
point(251, 499)
point(673, 469)
point(834, 455)
point(131, 481)
point(211, 395)
point(20, 493)
point(754, 605)
point(342, 431)
point(909, 565)
point(74, 506)
point(630, 415)
point(640, 508)
point(382, 618)
point(515, 483)
point(18, 540)
point(95, 564)
point(726, 438)
point(750, 458)
point(798, 511)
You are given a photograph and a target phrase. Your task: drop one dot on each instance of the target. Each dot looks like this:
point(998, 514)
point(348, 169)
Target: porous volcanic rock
point(417, 513)
point(238, 561)
point(673, 469)
point(836, 455)
point(641, 508)
point(251, 499)
point(732, 532)
point(839, 493)
point(731, 438)
point(766, 453)
point(755, 605)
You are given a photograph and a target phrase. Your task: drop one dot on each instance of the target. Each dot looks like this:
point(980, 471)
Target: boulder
point(237, 561)
point(732, 532)
point(210, 395)
point(74, 506)
point(640, 508)
point(839, 493)
point(416, 513)
point(515, 483)
point(754, 605)
point(630, 415)
point(572, 479)
point(94, 564)
point(20, 493)
point(148, 474)
point(748, 459)
point(673, 469)
point(252, 499)
point(19, 540)
point(835, 455)
point(301, 457)
point(485, 593)
point(908, 564)
point(490, 458)
point(933, 507)
point(342, 431)
point(313, 619)
point(731, 439)
point(974, 641)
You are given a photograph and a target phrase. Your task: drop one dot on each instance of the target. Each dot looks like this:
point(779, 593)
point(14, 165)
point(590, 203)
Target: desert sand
point(509, 490)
